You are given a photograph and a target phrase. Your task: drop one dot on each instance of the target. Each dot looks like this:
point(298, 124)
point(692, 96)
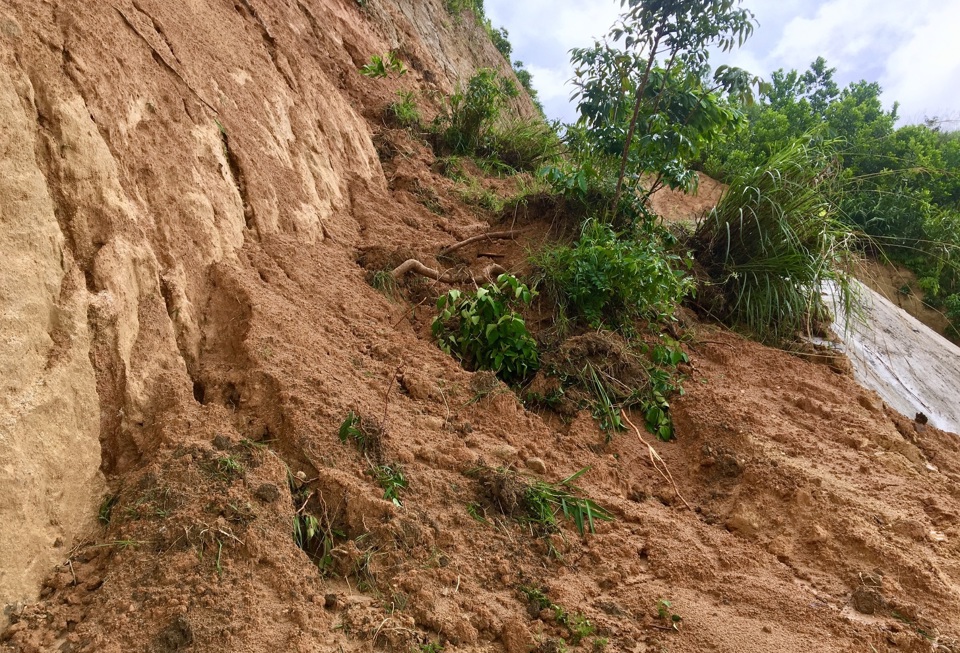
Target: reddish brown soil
point(812, 505)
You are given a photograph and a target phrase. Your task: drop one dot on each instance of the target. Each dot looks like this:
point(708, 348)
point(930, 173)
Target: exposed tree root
point(655, 458)
point(413, 265)
point(493, 235)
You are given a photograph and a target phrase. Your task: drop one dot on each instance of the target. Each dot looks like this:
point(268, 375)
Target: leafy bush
point(952, 306)
point(483, 331)
point(526, 81)
point(464, 124)
point(607, 279)
point(501, 40)
point(773, 243)
point(456, 7)
point(380, 67)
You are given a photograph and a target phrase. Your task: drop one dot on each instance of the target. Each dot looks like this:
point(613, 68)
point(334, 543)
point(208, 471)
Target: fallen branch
point(655, 458)
point(493, 235)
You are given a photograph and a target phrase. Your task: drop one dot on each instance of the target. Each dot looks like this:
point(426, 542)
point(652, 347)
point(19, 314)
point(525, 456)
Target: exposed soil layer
point(899, 285)
point(224, 188)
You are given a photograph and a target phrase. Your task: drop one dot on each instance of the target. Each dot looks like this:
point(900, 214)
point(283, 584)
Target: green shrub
point(772, 243)
point(952, 306)
point(523, 145)
point(526, 81)
point(457, 7)
point(405, 111)
point(464, 123)
point(380, 67)
point(501, 40)
point(483, 331)
point(608, 279)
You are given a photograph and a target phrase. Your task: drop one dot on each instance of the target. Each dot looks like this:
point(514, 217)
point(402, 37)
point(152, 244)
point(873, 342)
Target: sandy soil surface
point(222, 245)
point(678, 207)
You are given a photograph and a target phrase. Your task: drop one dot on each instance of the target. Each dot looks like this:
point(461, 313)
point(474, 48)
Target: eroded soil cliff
point(193, 198)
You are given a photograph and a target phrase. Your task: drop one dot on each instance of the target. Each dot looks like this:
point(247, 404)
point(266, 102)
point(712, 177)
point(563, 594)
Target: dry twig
point(655, 458)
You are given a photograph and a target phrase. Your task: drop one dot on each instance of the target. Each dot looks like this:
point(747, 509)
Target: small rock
point(175, 637)
point(268, 493)
point(936, 536)
point(418, 386)
point(867, 600)
point(537, 465)
point(910, 528)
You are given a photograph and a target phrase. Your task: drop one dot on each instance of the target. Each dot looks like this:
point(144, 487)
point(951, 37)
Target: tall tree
point(668, 102)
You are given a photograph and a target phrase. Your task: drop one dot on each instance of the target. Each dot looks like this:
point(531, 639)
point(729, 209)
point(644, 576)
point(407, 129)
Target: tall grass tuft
point(773, 244)
point(524, 145)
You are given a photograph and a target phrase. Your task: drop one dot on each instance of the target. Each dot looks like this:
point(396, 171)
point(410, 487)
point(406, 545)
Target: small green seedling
point(392, 481)
point(106, 508)
point(350, 430)
point(665, 613)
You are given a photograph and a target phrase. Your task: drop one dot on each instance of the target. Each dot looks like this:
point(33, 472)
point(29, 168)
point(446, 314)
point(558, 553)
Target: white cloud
point(923, 72)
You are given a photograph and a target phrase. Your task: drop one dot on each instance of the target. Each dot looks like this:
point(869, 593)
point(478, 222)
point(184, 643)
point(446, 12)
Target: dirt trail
point(202, 192)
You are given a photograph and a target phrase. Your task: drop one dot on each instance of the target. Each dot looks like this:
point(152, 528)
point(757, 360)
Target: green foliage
point(548, 501)
point(351, 431)
point(384, 281)
point(456, 7)
point(404, 111)
point(484, 332)
point(655, 404)
point(665, 613)
point(523, 145)
point(463, 125)
point(773, 242)
point(898, 185)
point(952, 310)
point(526, 81)
point(229, 466)
point(380, 67)
point(648, 387)
point(392, 480)
point(501, 40)
point(576, 623)
point(653, 119)
point(608, 279)
point(105, 512)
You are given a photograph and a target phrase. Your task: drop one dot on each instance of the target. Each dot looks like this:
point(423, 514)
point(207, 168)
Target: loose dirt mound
point(212, 202)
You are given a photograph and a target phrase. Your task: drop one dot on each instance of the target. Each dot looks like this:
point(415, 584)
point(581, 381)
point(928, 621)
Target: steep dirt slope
point(193, 185)
point(155, 156)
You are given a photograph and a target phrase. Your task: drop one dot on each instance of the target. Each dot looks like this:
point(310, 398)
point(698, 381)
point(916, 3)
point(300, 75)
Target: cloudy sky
point(912, 47)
